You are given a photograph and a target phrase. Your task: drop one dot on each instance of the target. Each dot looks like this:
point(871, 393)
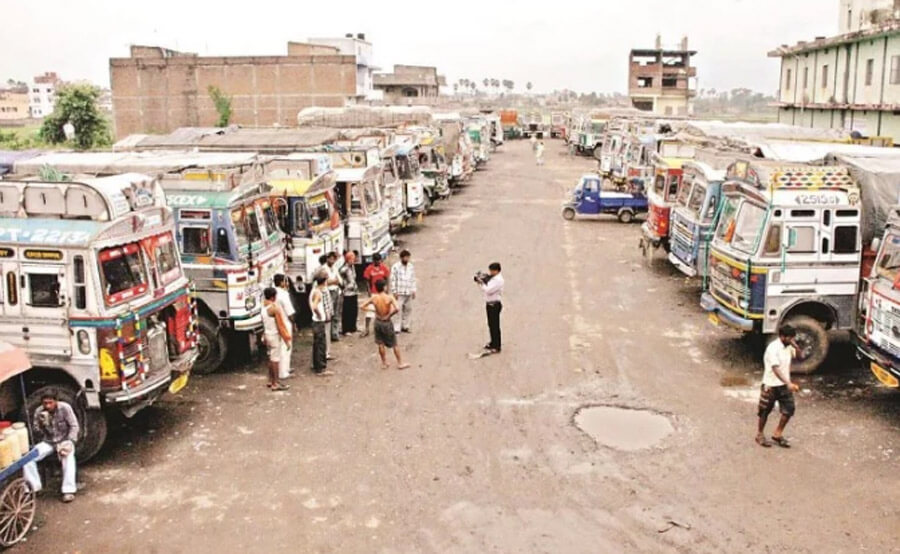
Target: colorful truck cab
point(661, 196)
point(307, 212)
point(611, 152)
point(694, 216)
point(786, 249)
point(880, 308)
point(406, 156)
point(93, 290)
point(479, 134)
point(231, 247)
point(360, 207)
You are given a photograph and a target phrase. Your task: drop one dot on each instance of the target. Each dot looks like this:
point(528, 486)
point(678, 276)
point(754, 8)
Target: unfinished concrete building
point(408, 83)
point(662, 80)
point(157, 90)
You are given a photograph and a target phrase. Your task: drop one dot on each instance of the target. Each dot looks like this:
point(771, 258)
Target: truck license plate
point(882, 375)
point(714, 318)
point(179, 383)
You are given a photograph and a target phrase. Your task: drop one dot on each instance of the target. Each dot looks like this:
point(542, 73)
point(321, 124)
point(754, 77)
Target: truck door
point(44, 303)
point(10, 304)
point(590, 197)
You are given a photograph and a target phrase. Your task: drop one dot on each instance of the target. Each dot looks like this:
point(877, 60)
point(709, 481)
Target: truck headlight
point(744, 304)
point(129, 369)
point(84, 342)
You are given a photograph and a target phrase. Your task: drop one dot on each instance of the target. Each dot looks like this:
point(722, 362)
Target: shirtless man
point(385, 307)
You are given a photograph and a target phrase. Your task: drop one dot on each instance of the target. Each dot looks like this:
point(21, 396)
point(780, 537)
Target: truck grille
point(157, 352)
point(726, 287)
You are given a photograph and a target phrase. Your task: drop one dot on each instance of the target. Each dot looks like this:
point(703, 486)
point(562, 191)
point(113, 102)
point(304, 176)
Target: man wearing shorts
point(385, 337)
point(777, 386)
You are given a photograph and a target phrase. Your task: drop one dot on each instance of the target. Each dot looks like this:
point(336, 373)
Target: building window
point(895, 70)
point(870, 71)
point(788, 80)
point(805, 78)
point(669, 82)
point(825, 76)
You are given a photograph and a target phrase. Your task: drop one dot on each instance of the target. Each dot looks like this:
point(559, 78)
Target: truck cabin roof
point(304, 188)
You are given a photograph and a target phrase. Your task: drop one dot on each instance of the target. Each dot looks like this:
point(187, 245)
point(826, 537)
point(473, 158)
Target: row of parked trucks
point(121, 272)
point(781, 225)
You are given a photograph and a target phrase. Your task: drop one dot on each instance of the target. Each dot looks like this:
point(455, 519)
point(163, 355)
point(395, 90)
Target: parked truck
point(93, 290)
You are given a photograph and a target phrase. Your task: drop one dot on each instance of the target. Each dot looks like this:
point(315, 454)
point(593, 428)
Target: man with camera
point(491, 284)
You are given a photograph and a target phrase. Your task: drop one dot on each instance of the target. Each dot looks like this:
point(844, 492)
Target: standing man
point(403, 287)
point(493, 293)
point(777, 386)
point(319, 300)
point(277, 334)
point(284, 301)
point(57, 427)
point(376, 271)
point(334, 290)
point(539, 153)
point(385, 308)
point(350, 311)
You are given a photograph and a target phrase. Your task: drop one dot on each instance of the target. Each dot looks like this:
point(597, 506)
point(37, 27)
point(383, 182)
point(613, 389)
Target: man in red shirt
point(377, 271)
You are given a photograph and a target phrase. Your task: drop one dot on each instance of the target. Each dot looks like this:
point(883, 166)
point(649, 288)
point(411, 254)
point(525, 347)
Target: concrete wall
point(13, 105)
point(160, 94)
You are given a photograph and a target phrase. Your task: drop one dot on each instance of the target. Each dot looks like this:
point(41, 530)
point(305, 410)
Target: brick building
point(662, 80)
point(14, 104)
point(157, 90)
point(409, 82)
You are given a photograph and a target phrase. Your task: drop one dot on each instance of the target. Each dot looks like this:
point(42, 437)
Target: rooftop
point(889, 28)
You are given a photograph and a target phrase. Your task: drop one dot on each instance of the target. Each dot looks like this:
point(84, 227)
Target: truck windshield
point(269, 216)
point(748, 223)
point(684, 192)
point(698, 194)
point(319, 209)
point(240, 228)
point(889, 262)
point(123, 272)
point(371, 196)
point(166, 259)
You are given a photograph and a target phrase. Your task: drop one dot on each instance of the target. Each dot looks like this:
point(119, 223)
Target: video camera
point(482, 277)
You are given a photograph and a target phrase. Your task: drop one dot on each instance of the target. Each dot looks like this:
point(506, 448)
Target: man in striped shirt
point(403, 287)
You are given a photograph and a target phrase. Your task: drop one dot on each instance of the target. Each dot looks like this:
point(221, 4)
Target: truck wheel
point(626, 216)
point(597, 151)
point(568, 214)
point(812, 338)
point(92, 423)
point(211, 347)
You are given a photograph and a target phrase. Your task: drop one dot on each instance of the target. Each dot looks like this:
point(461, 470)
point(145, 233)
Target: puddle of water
point(623, 428)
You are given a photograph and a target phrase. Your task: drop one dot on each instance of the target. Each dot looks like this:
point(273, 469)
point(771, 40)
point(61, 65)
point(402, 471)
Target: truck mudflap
point(681, 266)
point(881, 365)
point(718, 315)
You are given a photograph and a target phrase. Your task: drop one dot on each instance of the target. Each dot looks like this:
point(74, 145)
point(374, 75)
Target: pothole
point(623, 428)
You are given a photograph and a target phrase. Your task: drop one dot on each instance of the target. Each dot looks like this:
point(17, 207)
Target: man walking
point(539, 153)
point(350, 310)
point(57, 427)
point(284, 301)
point(385, 337)
point(277, 334)
point(777, 386)
point(319, 300)
point(493, 293)
point(334, 290)
point(403, 287)
point(376, 271)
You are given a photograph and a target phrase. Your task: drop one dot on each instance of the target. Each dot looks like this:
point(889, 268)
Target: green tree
point(222, 102)
point(76, 104)
point(528, 85)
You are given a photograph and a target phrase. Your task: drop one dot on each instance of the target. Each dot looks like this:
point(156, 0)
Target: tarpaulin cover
point(879, 183)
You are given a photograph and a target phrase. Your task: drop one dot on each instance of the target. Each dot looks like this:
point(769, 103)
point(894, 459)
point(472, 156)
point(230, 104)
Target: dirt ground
point(458, 456)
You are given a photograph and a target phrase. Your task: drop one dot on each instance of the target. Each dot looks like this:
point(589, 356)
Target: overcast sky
point(580, 45)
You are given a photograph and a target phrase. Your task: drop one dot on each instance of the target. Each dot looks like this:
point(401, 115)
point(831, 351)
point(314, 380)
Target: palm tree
point(528, 86)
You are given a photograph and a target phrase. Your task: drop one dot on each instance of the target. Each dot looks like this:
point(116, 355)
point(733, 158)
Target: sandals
point(781, 441)
point(763, 441)
point(280, 387)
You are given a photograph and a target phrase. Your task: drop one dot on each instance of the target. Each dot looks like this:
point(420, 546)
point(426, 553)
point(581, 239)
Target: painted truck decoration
point(93, 290)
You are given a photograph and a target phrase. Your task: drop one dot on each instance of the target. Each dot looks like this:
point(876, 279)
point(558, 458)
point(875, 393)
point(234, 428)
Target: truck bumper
point(249, 324)
point(883, 366)
point(133, 400)
point(718, 314)
point(682, 267)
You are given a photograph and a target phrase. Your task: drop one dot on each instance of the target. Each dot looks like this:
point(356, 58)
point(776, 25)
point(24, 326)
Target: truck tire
point(626, 216)
point(212, 347)
point(812, 338)
point(598, 150)
point(92, 423)
point(568, 214)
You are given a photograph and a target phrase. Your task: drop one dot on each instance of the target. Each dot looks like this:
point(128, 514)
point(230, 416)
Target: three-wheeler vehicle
point(589, 198)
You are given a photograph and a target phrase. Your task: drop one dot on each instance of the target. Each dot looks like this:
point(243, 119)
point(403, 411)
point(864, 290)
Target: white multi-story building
point(848, 81)
point(355, 45)
point(42, 95)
